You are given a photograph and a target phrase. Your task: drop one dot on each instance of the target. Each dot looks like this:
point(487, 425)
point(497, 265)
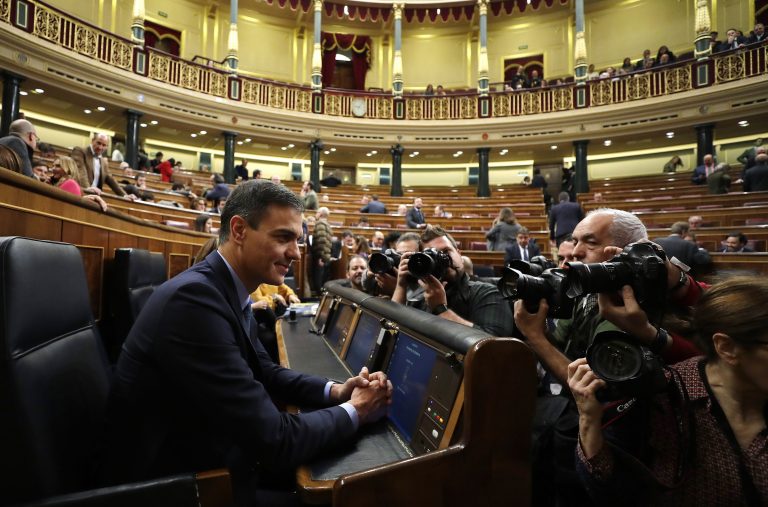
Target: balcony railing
point(59, 28)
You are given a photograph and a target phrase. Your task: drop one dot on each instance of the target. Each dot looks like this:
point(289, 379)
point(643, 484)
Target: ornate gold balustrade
point(59, 28)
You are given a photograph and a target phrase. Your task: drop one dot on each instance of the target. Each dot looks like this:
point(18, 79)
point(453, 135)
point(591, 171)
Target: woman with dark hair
point(664, 50)
point(701, 440)
point(673, 164)
point(361, 246)
point(503, 230)
point(203, 223)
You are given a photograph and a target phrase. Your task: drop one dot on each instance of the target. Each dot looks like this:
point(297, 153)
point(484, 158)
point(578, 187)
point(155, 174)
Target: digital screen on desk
point(410, 369)
point(339, 326)
point(363, 342)
point(322, 313)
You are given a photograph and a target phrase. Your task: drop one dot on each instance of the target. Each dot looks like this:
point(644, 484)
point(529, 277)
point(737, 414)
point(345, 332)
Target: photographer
point(452, 295)
point(703, 440)
point(380, 282)
point(599, 237)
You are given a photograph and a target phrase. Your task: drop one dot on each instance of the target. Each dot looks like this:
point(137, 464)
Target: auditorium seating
point(54, 382)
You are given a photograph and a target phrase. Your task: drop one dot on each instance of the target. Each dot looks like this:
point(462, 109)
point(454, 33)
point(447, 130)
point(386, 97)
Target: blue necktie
point(525, 254)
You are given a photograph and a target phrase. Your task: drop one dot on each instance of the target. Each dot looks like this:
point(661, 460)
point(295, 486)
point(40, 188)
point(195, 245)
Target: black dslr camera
point(641, 266)
point(385, 262)
point(535, 267)
point(628, 368)
point(530, 282)
point(429, 262)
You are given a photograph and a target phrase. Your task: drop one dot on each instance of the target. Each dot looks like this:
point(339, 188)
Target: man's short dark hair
point(374, 197)
point(159, 154)
point(218, 178)
point(738, 234)
point(434, 232)
point(251, 200)
point(679, 228)
point(409, 236)
point(347, 234)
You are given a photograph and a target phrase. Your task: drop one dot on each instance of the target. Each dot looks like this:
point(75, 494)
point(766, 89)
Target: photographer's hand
point(584, 384)
point(434, 291)
point(626, 314)
point(533, 327)
point(398, 296)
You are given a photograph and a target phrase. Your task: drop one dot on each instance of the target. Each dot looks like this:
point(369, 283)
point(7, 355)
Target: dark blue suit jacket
point(563, 218)
point(513, 251)
point(374, 207)
point(414, 217)
point(192, 392)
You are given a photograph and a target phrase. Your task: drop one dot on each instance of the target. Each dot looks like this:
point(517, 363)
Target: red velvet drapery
point(360, 45)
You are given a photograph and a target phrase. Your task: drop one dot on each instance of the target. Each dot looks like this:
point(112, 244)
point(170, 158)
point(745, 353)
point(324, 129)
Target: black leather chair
point(54, 383)
point(136, 274)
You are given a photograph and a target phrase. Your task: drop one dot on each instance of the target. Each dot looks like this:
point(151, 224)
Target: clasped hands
point(369, 393)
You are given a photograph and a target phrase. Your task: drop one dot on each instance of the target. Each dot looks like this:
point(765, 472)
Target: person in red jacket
point(166, 169)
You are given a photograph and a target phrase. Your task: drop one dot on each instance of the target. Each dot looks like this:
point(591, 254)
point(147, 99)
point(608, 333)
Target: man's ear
point(237, 228)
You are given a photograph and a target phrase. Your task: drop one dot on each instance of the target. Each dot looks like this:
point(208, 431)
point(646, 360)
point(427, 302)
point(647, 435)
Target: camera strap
point(751, 494)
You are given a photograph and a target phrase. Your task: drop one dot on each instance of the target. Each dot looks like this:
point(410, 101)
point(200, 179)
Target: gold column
point(703, 48)
point(482, 49)
point(317, 55)
point(397, 61)
point(137, 26)
point(232, 47)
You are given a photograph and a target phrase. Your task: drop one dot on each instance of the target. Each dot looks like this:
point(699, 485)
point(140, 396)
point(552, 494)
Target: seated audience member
point(673, 164)
point(664, 50)
point(535, 81)
point(700, 440)
point(503, 231)
point(429, 91)
point(689, 253)
point(356, 267)
point(402, 210)
point(166, 169)
point(374, 206)
point(363, 222)
point(203, 223)
point(193, 361)
point(156, 161)
point(309, 196)
point(758, 34)
point(645, 61)
point(139, 189)
point(241, 170)
point(701, 172)
point(563, 218)
point(272, 296)
point(199, 204)
point(526, 181)
point(414, 218)
point(276, 180)
point(93, 168)
point(719, 181)
point(695, 221)
point(361, 247)
point(46, 150)
point(179, 188)
point(40, 171)
point(117, 152)
point(597, 197)
point(325, 198)
point(440, 212)
point(756, 178)
point(592, 73)
point(128, 174)
point(256, 175)
point(733, 41)
point(522, 249)
point(22, 139)
point(348, 239)
point(440, 92)
point(736, 242)
point(626, 66)
point(565, 251)
point(461, 300)
point(220, 188)
point(218, 206)
point(377, 240)
point(65, 171)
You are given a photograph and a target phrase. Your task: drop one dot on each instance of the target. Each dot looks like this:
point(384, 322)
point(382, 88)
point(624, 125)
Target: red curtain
point(359, 45)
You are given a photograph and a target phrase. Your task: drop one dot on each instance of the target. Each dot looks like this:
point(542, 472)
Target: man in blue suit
point(194, 387)
point(524, 249)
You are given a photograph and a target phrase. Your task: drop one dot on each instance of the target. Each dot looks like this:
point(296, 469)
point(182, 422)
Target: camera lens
point(421, 264)
point(616, 360)
point(379, 263)
point(516, 285)
point(597, 277)
point(527, 268)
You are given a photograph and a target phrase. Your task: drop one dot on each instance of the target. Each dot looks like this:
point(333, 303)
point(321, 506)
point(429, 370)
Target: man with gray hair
point(94, 167)
point(599, 237)
point(22, 139)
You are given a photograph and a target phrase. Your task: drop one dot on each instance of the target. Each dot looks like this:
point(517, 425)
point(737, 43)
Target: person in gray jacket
point(503, 231)
point(22, 139)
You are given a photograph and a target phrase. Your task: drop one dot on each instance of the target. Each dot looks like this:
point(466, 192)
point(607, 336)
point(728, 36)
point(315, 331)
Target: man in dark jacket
point(563, 218)
point(688, 252)
point(756, 179)
point(374, 206)
point(719, 182)
point(22, 139)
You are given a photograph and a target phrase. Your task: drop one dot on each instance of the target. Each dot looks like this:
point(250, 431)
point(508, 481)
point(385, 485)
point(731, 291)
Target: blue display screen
point(410, 369)
point(363, 342)
point(337, 332)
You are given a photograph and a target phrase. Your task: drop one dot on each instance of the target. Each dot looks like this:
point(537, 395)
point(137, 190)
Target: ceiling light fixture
point(240, 143)
point(743, 123)
point(87, 111)
point(153, 122)
point(607, 142)
point(203, 132)
point(101, 108)
point(291, 145)
point(332, 149)
point(374, 152)
point(248, 139)
point(553, 147)
point(38, 90)
point(284, 148)
point(143, 125)
point(193, 135)
point(327, 152)
point(23, 93)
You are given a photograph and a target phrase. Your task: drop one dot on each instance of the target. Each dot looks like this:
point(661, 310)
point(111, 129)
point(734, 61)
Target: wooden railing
point(57, 27)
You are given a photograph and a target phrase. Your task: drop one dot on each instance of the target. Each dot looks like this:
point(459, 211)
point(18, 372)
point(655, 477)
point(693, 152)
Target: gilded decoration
point(638, 86)
point(218, 84)
point(729, 68)
point(501, 105)
point(562, 99)
point(468, 107)
point(303, 101)
point(47, 24)
point(678, 79)
point(531, 103)
point(601, 92)
point(5, 10)
point(159, 66)
point(277, 97)
point(190, 77)
point(414, 109)
point(333, 105)
point(122, 55)
point(86, 41)
point(250, 92)
point(383, 108)
point(440, 108)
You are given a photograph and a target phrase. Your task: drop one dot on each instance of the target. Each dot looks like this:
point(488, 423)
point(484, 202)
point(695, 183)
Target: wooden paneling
point(93, 261)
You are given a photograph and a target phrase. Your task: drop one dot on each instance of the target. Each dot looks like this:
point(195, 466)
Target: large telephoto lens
point(597, 277)
point(421, 264)
point(615, 359)
point(381, 263)
point(514, 284)
point(526, 267)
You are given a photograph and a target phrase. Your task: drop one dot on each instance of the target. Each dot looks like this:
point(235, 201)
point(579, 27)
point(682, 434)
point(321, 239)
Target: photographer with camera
point(448, 291)
point(381, 277)
point(599, 237)
point(703, 439)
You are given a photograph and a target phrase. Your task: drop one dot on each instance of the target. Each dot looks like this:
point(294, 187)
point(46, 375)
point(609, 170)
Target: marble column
point(580, 177)
point(137, 25)
point(482, 50)
point(11, 101)
point(132, 137)
point(580, 46)
point(397, 61)
point(229, 156)
point(483, 186)
point(397, 171)
point(315, 147)
point(317, 50)
point(705, 135)
point(232, 42)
